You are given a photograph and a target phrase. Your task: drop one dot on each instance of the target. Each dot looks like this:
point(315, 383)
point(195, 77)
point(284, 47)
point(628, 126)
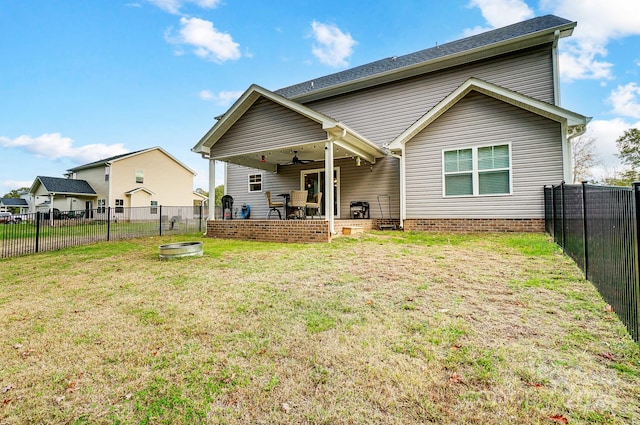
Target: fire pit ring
point(180, 249)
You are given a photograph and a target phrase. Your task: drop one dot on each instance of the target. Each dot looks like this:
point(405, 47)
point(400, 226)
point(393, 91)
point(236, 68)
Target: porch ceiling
point(271, 160)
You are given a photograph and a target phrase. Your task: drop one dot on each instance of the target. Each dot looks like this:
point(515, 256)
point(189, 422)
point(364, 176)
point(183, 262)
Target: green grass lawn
point(388, 327)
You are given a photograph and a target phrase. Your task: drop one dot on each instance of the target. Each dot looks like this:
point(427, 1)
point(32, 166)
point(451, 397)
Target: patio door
point(313, 181)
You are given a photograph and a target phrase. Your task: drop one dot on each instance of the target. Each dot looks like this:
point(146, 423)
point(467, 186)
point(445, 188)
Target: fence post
point(584, 229)
point(636, 308)
point(200, 219)
point(108, 223)
point(553, 213)
point(564, 215)
point(38, 214)
point(160, 221)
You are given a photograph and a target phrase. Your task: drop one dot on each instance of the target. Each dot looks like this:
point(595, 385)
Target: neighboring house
point(18, 205)
point(463, 135)
point(146, 178)
point(62, 194)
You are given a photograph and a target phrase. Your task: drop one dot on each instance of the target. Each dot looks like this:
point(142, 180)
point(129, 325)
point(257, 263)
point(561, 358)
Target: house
point(19, 205)
point(460, 136)
point(62, 194)
point(145, 178)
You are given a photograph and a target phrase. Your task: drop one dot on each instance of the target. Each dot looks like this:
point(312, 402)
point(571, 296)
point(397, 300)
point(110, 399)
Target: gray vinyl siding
point(267, 125)
point(479, 120)
point(381, 113)
point(362, 183)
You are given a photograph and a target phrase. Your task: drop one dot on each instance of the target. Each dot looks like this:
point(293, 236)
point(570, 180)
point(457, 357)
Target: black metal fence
point(37, 232)
point(598, 226)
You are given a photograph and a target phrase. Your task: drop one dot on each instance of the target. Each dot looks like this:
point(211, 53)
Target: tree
point(219, 194)
point(623, 178)
point(629, 148)
point(583, 157)
point(15, 193)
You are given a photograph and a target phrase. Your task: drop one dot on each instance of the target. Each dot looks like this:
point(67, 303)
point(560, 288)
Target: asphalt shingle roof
point(105, 160)
point(61, 185)
point(14, 202)
point(542, 23)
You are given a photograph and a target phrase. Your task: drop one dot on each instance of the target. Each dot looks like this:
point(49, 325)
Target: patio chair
point(315, 205)
point(299, 203)
point(273, 206)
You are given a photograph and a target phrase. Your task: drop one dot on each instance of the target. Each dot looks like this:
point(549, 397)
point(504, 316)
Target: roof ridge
point(396, 63)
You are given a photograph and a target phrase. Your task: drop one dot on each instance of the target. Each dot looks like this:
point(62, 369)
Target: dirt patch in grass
point(389, 327)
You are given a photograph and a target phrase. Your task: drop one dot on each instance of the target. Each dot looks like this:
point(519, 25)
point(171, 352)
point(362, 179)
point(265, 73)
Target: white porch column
point(328, 185)
point(212, 189)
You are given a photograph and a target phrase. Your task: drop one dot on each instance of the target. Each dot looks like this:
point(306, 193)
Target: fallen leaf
point(608, 308)
point(7, 388)
point(59, 399)
point(71, 386)
point(6, 401)
point(230, 378)
point(535, 384)
point(443, 310)
point(286, 408)
point(128, 396)
point(608, 356)
point(456, 347)
point(17, 346)
point(455, 379)
point(559, 419)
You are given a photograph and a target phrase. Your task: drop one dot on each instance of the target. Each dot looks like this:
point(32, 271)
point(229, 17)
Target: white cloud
point(223, 98)
point(55, 146)
point(599, 22)
point(333, 46)
point(625, 100)
point(207, 41)
point(174, 6)
point(16, 184)
point(606, 132)
point(500, 13)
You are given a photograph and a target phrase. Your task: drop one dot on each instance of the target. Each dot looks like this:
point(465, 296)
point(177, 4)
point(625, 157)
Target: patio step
point(352, 230)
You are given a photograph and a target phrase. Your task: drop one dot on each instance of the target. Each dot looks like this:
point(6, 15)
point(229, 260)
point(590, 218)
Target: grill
point(359, 209)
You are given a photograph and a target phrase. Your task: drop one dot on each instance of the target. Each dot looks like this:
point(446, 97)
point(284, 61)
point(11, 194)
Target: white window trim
point(475, 172)
point(249, 182)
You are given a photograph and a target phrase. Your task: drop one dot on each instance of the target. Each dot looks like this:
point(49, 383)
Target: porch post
point(212, 189)
point(328, 184)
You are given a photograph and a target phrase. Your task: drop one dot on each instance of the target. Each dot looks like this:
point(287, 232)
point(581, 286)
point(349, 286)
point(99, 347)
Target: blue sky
point(83, 80)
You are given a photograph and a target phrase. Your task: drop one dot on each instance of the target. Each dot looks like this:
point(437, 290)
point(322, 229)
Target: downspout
point(555, 62)
point(402, 186)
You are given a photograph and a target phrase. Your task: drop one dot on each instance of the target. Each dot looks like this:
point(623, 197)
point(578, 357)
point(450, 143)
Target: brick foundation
point(301, 231)
point(475, 225)
point(312, 231)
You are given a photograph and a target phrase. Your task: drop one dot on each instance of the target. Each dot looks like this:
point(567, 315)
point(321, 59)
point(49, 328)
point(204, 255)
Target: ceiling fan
point(296, 161)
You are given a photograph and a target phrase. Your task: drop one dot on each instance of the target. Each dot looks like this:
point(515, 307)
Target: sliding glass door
point(313, 181)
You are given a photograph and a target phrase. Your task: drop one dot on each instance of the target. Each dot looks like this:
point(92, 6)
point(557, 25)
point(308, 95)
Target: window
point(154, 207)
point(107, 171)
point(102, 203)
point(477, 171)
point(139, 176)
point(255, 182)
point(119, 205)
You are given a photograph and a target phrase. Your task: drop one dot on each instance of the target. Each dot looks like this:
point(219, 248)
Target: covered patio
point(281, 146)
